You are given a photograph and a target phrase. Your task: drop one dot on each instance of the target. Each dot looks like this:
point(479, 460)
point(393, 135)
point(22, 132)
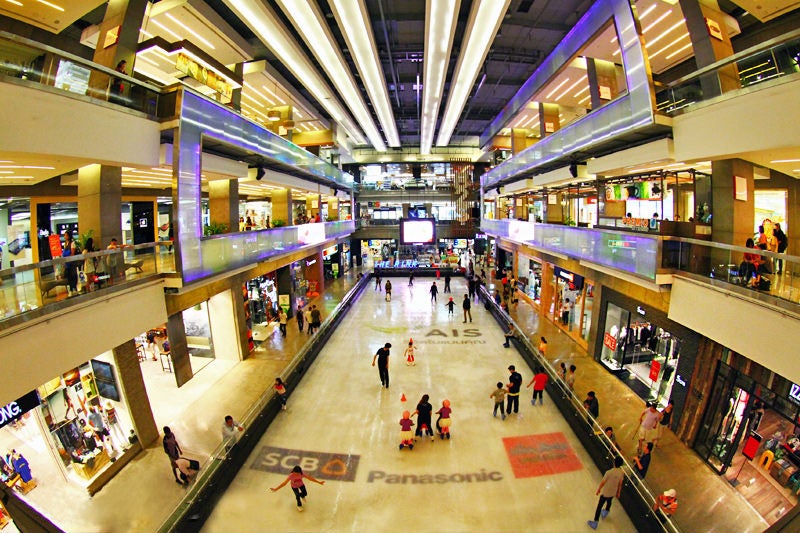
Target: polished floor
point(340, 408)
point(527, 472)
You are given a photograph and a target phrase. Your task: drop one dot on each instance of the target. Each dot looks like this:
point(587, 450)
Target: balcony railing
point(767, 276)
point(27, 288)
point(766, 62)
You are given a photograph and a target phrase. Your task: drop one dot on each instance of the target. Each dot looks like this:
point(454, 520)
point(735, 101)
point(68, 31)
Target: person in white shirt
point(229, 432)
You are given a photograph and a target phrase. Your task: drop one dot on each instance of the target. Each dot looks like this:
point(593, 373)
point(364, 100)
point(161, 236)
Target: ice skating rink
point(527, 473)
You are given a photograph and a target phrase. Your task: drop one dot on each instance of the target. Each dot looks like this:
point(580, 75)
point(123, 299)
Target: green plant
point(215, 228)
point(83, 237)
point(277, 223)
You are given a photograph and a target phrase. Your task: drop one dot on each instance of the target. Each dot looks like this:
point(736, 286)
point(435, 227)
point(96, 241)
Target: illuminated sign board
point(207, 77)
point(13, 410)
point(794, 393)
point(619, 243)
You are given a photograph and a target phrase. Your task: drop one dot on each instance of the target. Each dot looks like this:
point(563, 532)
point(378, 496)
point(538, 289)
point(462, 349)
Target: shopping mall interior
point(215, 208)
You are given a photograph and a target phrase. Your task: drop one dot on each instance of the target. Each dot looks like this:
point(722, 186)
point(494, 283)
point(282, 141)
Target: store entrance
point(641, 353)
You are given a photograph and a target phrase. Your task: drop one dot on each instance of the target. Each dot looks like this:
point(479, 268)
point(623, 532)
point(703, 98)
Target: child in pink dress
point(406, 435)
point(409, 353)
point(443, 423)
point(295, 477)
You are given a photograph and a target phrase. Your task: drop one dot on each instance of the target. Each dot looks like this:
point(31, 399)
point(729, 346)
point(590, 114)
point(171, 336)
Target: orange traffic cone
point(402, 397)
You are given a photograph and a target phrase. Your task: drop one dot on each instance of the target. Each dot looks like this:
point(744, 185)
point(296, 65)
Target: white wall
point(755, 330)
point(46, 123)
point(37, 352)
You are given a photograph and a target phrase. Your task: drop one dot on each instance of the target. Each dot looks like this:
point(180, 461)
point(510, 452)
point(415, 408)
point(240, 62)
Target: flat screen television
point(417, 231)
point(105, 379)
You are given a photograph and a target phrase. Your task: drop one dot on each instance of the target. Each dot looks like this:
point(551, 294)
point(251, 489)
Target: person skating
point(406, 435)
point(382, 355)
point(514, 384)
point(447, 283)
point(450, 305)
point(423, 412)
point(409, 353)
point(298, 487)
point(467, 306)
point(388, 288)
point(434, 291)
point(443, 423)
point(539, 381)
point(499, 395)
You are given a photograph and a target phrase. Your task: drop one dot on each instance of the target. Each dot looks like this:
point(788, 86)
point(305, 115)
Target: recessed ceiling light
point(786, 161)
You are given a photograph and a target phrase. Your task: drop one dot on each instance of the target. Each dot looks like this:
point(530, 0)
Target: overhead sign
point(201, 73)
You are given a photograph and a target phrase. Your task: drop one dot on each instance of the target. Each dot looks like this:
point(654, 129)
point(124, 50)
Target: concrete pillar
point(313, 205)
point(100, 203)
point(405, 207)
point(123, 18)
point(176, 332)
point(225, 315)
point(236, 94)
point(282, 206)
point(548, 119)
point(314, 270)
point(135, 393)
point(333, 209)
point(519, 140)
point(285, 287)
point(732, 220)
point(223, 203)
point(710, 46)
point(603, 85)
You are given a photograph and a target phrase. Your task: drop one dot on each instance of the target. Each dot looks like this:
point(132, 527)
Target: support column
point(131, 381)
point(223, 203)
point(315, 271)
point(226, 318)
point(333, 209)
point(603, 85)
point(176, 332)
point(732, 220)
point(710, 43)
point(100, 203)
point(236, 94)
point(282, 206)
point(428, 209)
point(311, 201)
point(405, 207)
point(285, 287)
point(123, 19)
point(549, 122)
point(519, 140)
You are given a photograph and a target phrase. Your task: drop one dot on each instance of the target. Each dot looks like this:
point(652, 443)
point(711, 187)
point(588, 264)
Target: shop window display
point(529, 277)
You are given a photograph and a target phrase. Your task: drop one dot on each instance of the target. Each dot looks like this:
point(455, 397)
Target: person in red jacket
point(539, 381)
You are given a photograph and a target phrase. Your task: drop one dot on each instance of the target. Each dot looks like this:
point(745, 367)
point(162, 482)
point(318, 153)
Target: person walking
point(308, 320)
point(648, 425)
point(411, 279)
point(543, 348)
point(514, 384)
point(282, 318)
point(498, 395)
point(377, 282)
point(388, 290)
point(562, 371)
point(664, 421)
point(434, 291)
point(471, 287)
point(467, 305)
point(610, 486)
point(509, 334)
point(173, 451)
point(591, 404)
point(299, 314)
point(571, 377)
point(316, 318)
point(783, 244)
point(447, 283)
point(229, 428)
point(298, 487)
point(382, 356)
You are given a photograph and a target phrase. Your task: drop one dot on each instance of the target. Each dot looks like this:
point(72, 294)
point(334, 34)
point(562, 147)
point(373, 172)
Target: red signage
point(610, 342)
point(751, 447)
point(636, 222)
point(54, 241)
point(655, 368)
point(541, 455)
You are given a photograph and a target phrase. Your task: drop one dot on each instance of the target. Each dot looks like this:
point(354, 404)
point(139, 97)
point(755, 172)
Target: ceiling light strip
point(354, 21)
point(264, 23)
point(190, 30)
point(310, 23)
point(482, 25)
point(440, 25)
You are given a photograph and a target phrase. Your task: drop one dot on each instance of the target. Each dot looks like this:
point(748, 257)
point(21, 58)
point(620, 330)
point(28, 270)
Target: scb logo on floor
point(333, 466)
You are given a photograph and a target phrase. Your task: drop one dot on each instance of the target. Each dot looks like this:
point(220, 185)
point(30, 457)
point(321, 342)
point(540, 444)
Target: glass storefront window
point(588, 303)
point(529, 278)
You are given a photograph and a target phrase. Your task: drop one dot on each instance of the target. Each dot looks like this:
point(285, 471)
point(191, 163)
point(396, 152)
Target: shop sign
point(655, 369)
point(794, 393)
point(283, 302)
point(329, 251)
point(54, 241)
point(12, 411)
point(610, 342)
point(201, 73)
point(617, 243)
point(636, 222)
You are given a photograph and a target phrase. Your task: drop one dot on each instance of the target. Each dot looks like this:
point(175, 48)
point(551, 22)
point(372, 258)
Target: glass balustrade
point(777, 58)
point(29, 287)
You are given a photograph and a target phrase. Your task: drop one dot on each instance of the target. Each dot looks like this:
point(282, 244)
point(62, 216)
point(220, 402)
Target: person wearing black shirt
point(446, 283)
point(514, 383)
point(382, 355)
point(591, 404)
point(467, 305)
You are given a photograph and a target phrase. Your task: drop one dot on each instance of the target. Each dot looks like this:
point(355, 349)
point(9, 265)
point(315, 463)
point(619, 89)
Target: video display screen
point(418, 231)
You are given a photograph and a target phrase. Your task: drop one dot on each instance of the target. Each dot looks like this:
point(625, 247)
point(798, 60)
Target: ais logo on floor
point(322, 465)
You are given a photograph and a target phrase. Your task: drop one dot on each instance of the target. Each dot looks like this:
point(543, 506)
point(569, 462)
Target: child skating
point(406, 435)
point(450, 306)
point(409, 353)
point(295, 477)
point(499, 394)
point(443, 423)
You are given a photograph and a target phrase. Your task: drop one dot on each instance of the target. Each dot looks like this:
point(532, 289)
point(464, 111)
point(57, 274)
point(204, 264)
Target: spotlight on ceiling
point(260, 172)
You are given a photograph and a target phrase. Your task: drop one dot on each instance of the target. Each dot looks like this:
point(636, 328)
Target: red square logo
point(541, 455)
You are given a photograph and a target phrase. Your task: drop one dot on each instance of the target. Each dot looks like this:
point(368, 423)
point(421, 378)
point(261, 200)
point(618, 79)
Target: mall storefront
point(650, 353)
